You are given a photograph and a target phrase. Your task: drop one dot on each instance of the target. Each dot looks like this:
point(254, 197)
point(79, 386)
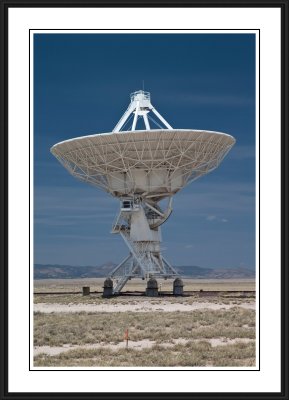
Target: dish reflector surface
point(149, 163)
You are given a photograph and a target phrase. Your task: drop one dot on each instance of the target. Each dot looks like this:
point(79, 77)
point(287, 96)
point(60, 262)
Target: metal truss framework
point(140, 106)
point(146, 166)
point(139, 226)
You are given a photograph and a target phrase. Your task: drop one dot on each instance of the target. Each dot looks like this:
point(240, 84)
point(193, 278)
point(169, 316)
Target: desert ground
point(212, 325)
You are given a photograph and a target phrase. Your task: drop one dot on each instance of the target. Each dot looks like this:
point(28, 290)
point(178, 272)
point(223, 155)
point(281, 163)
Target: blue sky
point(82, 84)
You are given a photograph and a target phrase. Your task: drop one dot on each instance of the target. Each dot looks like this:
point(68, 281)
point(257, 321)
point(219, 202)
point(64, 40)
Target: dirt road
point(143, 306)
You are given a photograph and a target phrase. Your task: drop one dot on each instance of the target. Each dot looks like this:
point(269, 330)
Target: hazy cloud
point(211, 218)
point(189, 246)
point(215, 218)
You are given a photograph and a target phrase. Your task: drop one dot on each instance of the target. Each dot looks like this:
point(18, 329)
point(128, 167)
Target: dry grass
point(69, 299)
point(96, 284)
point(83, 328)
point(234, 298)
point(105, 328)
point(189, 355)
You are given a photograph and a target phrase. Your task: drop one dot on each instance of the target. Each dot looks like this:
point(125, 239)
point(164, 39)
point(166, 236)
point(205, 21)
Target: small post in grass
point(126, 338)
point(85, 290)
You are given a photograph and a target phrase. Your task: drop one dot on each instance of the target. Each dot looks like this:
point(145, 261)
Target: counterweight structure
point(143, 169)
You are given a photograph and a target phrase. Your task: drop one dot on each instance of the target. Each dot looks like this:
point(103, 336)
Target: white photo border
point(257, 189)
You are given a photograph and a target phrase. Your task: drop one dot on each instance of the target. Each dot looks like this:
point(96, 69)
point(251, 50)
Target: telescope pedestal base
point(138, 223)
point(129, 268)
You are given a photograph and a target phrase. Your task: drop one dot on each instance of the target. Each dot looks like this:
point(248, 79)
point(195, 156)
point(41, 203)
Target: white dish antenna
point(141, 168)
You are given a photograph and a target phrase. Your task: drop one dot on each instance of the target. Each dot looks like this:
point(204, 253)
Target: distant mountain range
point(47, 271)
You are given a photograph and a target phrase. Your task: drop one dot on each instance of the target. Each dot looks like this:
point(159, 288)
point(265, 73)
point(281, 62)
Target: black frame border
point(4, 8)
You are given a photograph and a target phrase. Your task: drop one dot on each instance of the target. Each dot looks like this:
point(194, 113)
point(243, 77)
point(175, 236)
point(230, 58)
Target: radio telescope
point(143, 169)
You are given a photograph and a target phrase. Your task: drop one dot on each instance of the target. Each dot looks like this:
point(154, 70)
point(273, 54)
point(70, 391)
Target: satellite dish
point(141, 168)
